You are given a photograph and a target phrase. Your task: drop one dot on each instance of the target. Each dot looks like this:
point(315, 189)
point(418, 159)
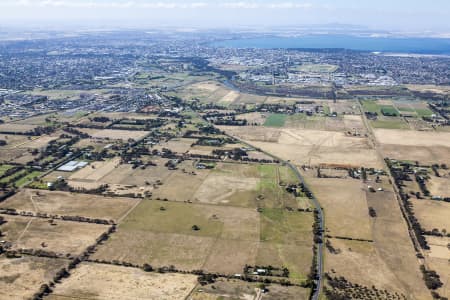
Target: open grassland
point(66, 94)
point(432, 214)
point(439, 186)
point(16, 128)
point(345, 206)
point(413, 138)
point(248, 186)
point(374, 263)
point(391, 123)
point(275, 120)
point(21, 278)
point(69, 204)
point(426, 147)
point(424, 154)
point(61, 237)
point(101, 282)
point(123, 178)
point(305, 147)
point(113, 134)
point(316, 68)
point(161, 233)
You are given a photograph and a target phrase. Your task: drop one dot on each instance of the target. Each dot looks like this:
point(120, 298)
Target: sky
point(394, 15)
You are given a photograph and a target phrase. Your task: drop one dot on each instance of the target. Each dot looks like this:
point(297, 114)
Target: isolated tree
point(364, 174)
point(147, 268)
point(195, 228)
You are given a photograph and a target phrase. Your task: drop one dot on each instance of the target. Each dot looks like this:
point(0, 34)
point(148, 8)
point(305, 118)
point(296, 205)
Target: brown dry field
point(101, 282)
point(16, 155)
point(412, 138)
point(439, 186)
point(229, 238)
point(304, 147)
point(439, 248)
point(65, 237)
point(231, 97)
point(354, 122)
point(368, 263)
point(253, 118)
point(225, 289)
point(96, 170)
point(113, 134)
point(234, 184)
point(390, 235)
point(13, 141)
point(433, 88)
point(20, 278)
point(442, 267)
point(14, 127)
point(423, 154)
point(97, 144)
point(432, 214)
point(24, 142)
point(345, 206)
point(122, 178)
point(181, 145)
point(181, 186)
point(70, 204)
point(438, 260)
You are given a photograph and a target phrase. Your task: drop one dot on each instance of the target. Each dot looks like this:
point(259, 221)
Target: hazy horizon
point(404, 16)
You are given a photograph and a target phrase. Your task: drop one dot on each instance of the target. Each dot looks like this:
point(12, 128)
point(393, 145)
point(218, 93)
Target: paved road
point(319, 254)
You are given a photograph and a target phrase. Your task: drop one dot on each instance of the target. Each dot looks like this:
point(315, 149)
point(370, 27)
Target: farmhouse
point(72, 166)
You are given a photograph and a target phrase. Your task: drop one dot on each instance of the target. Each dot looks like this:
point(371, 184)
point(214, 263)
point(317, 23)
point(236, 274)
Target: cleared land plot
point(305, 147)
point(390, 235)
point(379, 263)
point(181, 145)
point(316, 68)
point(21, 278)
point(439, 247)
point(442, 267)
point(16, 128)
point(424, 154)
point(439, 186)
point(275, 120)
point(63, 237)
point(432, 214)
point(345, 205)
point(360, 262)
point(96, 170)
point(413, 138)
point(165, 237)
point(122, 178)
point(390, 123)
point(96, 281)
point(113, 134)
point(247, 185)
point(232, 289)
point(69, 204)
point(254, 118)
point(160, 233)
point(14, 141)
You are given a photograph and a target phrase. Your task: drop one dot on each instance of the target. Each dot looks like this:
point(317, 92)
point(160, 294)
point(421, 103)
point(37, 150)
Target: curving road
point(319, 253)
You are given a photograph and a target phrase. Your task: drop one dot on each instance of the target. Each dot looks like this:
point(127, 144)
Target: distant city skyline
point(399, 15)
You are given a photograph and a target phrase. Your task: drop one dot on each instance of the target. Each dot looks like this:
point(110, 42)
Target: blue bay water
point(400, 45)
